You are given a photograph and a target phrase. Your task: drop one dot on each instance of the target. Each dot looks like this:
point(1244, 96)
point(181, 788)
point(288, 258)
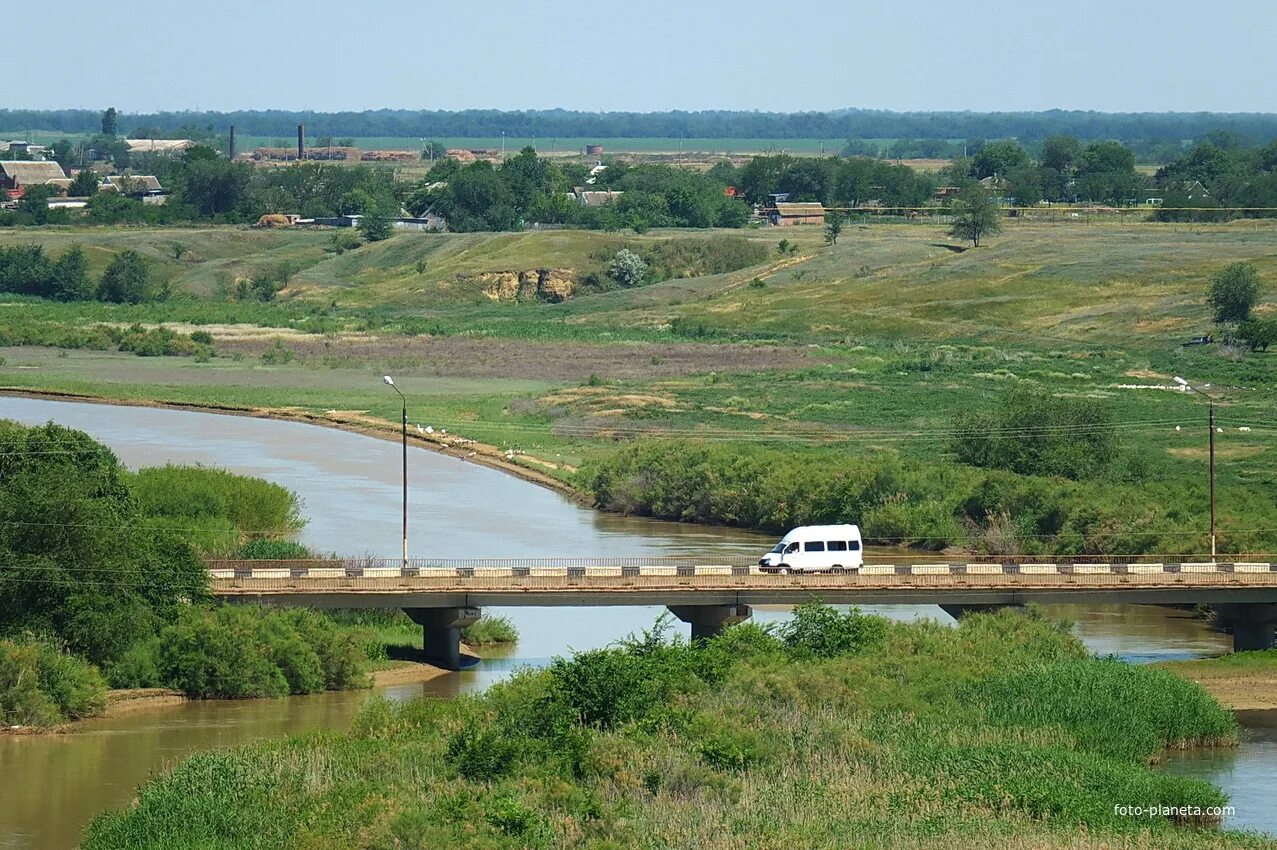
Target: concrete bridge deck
point(445, 596)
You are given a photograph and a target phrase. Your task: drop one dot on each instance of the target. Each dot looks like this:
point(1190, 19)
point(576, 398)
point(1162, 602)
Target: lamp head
point(389, 380)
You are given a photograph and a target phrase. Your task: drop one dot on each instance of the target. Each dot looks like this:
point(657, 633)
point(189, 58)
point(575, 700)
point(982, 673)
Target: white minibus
point(815, 548)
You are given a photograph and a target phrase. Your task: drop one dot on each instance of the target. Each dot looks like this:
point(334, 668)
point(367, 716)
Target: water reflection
point(1247, 774)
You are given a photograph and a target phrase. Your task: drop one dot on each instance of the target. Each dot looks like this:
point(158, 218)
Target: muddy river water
point(52, 785)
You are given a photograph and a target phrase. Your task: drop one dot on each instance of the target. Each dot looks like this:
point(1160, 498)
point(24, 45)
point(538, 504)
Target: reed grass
point(983, 735)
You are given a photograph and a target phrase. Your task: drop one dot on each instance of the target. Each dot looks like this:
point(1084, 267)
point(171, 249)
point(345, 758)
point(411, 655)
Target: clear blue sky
point(1109, 55)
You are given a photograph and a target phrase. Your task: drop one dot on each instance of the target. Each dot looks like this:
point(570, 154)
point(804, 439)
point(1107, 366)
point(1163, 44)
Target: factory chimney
point(230, 147)
point(301, 141)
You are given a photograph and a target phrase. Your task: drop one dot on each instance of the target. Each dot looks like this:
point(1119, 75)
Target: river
point(52, 785)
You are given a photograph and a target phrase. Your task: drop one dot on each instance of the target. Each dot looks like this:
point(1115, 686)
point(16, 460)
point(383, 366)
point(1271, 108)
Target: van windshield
point(779, 547)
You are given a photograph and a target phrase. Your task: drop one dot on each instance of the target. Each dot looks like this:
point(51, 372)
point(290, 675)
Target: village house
point(15, 177)
point(164, 146)
point(144, 187)
point(787, 214)
point(596, 198)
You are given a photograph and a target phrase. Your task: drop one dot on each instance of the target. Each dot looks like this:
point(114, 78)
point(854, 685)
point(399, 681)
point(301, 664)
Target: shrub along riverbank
point(926, 504)
point(100, 569)
point(833, 730)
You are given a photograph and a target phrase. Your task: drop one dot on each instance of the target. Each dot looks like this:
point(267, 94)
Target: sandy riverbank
point(1243, 681)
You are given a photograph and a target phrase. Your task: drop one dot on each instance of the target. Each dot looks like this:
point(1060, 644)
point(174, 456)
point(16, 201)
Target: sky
point(650, 55)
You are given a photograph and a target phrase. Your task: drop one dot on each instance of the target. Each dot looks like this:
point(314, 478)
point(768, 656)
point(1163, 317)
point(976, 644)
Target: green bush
point(1035, 433)
point(273, 549)
point(215, 509)
point(489, 631)
point(243, 652)
point(41, 685)
point(277, 354)
point(138, 667)
point(822, 632)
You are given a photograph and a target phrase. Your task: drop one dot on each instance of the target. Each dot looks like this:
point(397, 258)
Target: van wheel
point(837, 569)
point(783, 569)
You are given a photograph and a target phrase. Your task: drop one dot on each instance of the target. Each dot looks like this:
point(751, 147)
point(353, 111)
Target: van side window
point(837, 545)
point(853, 545)
point(793, 547)
point(814, 546)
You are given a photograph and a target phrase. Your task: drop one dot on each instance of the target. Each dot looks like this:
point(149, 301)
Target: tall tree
point(110, 122)
point(71, 277)
point(999, 158)
point(77, 558)
point(374, 224)
point(975, 215)
point(833, 226)
point(128, 280)
point(84, 184)
point(1234, 293)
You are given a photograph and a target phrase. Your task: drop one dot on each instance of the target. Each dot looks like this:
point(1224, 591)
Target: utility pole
point(390, 382)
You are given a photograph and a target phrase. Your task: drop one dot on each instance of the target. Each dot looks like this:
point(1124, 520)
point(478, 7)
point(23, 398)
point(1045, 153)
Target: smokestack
point(230, 148)
point(301, 141)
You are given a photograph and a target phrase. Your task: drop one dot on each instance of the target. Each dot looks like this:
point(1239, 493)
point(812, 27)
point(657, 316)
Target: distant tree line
point(1220, 172)
point(839, 124)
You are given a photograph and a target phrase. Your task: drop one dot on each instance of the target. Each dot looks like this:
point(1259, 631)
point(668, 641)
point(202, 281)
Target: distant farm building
point(596, 198)
point(163, 146)
point(289, 154)
point(16, 176)
point(787, 214)
point(144, 187)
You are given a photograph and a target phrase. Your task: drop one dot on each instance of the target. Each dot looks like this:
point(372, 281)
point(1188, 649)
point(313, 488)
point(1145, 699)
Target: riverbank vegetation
point(834, 729)
point(927, 505)
point(41, 685)
point(100, 568)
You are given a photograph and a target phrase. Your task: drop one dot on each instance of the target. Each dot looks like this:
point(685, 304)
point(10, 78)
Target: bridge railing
point(378, 574)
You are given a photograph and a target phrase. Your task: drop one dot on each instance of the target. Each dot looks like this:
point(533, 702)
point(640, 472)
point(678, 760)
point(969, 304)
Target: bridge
point(444, 597)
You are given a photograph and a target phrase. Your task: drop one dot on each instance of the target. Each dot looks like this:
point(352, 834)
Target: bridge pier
point(710, 620)
point(1253, 623)
point(441, 632)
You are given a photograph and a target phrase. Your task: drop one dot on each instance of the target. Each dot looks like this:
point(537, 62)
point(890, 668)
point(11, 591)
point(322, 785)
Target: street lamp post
point(390, 382)
point(1210, 401)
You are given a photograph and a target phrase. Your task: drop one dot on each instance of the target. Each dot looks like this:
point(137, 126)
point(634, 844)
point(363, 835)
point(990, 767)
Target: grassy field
point(876, 345)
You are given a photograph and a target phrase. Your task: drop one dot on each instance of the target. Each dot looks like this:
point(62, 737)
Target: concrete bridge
point(446, 596)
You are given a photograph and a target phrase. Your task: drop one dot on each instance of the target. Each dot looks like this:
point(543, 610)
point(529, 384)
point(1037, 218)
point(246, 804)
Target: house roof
point(134, 183)
point(800, 209)
point(158, 145)
point(31, 173)
point(598, 198)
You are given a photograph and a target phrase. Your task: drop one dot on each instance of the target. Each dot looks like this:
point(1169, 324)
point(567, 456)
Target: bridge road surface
point(444, 597)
